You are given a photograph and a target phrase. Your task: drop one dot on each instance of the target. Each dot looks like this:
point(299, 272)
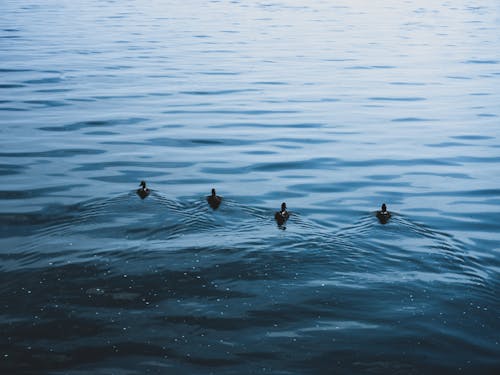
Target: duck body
point(214, 200)
point(143, 191)
point(383, 215)
point(282, 215)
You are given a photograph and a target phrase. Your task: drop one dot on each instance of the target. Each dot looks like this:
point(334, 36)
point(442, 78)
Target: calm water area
point(333, 107)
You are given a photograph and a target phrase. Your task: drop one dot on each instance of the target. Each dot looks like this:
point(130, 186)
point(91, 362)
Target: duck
point(214, 200)
point(282, 215)
point(143, 191)
point(383, 215)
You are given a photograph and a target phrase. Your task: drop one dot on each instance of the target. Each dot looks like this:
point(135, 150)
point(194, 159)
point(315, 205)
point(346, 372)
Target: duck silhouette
point(214, 200)
point(143, 191)
point(282, 215)
point(383, 215)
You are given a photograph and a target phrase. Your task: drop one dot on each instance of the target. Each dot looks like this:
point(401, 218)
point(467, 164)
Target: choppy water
point(331, 106)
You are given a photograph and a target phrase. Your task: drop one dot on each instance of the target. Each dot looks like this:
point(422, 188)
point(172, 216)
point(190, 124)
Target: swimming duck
point(383, 215)
point(282, 215)
point(214, 200)
point(143, 192)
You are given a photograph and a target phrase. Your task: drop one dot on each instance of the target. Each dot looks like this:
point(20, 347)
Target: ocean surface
point(333, 107)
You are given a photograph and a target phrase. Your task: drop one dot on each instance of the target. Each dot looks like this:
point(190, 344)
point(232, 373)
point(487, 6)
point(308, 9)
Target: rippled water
point(332, 106)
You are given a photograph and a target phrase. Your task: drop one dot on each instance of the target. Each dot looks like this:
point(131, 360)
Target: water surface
point(333, 107)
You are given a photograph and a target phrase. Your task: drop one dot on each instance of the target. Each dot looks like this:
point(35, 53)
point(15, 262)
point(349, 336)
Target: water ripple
point(93, 123)
point(60, 153)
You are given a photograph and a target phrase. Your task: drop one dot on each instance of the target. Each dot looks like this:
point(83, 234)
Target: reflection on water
point(333, 108)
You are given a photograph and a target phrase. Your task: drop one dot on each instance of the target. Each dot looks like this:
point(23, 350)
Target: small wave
point(396, 99)
point(14, 70)
point(59, 153)
point(488, 62)
point(411, 119)
point(255, 112)
point(43, 81)
point(94, 123)
point(11, 86)
point(10, 169)
point(217, 92)
point(46, 103)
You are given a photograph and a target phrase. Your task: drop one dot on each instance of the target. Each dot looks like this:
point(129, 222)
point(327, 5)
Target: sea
point(331, 106)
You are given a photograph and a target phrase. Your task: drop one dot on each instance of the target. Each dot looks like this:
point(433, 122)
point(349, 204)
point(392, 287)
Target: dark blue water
point(332, 106)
